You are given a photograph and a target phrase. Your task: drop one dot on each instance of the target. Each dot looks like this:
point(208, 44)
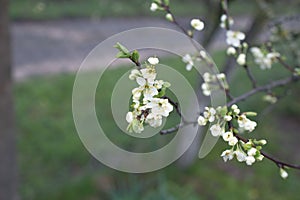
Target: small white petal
point(153, 60)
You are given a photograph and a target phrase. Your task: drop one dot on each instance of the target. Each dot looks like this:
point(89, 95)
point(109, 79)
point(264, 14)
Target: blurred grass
point(55, 165)
point(60, 9)
point(55, 9)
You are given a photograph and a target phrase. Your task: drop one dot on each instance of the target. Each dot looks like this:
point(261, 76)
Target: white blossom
point(234, 38)
point(246, 123)
point(250, 160)
point(149, 73)
point(223, 21)
point(252, 151)
point(154, 120)
point(283, 173)
point(227, 118)
point(227, 136)
point(129, 117)
point(169, 17)
point(231, 51)
point(233, 141)
point(227, 155)
point(160, 106)
point(153, 60)
point(197, 24)
point(213, 82)
point(270, 98)
point(264, 60)
point(209, 114)
point(216, 130)
point(134, 74)
point(203, 54)
point(154, 7)
point(240, 155)
point(202, 121)
point(150, 109)
point(235, 109)
point(189, 62)
point(241, 59)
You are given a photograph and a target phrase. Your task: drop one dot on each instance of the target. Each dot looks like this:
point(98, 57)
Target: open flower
point(250, 160)
point(246, 123)
point(240, 155)
point(234, 38)
point(160, 106)
point(227, 155)
point(216, 130)
point(202, 121)
point(154, 120)
point(149, 73)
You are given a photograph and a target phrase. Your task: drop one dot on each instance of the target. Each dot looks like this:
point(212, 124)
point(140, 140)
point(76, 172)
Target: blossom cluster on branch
point(150, 105)
point(147, 106)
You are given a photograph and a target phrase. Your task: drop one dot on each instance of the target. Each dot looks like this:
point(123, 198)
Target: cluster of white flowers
point(245, 152)
point(189, 60)
point(147, 104)
point(234, 40)
point(226, 20)
point(218, 115)
point(270, 98)
point(264, 59)
point(213, 82)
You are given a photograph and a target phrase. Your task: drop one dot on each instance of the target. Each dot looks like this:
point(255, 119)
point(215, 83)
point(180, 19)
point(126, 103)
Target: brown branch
point(279, 163)
point(175, 22)
point(274, 84)
point(177, 127)
point(250, 76)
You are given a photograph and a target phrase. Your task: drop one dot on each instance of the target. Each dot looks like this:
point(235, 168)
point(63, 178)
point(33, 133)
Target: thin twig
point(274, 84)
point(175, 22)
point(250, 76)
point(279, 163)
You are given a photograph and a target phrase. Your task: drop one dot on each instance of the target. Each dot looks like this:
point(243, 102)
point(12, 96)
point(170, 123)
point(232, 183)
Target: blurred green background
point(53, 163)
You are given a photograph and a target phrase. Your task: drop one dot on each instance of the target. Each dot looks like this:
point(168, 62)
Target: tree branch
point(274, 84)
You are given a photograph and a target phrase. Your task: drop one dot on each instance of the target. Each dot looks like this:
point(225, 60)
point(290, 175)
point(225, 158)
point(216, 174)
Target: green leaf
point(122, 55)
point(162, 92)
point(121, 48)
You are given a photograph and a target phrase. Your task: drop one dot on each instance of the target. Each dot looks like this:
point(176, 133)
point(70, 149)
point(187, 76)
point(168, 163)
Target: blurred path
point(60, 46)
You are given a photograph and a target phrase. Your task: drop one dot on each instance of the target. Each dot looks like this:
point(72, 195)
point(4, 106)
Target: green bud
point(250, 114)
point(135, 56)
point(223, 111)
point(297, 71)
point(169, 17)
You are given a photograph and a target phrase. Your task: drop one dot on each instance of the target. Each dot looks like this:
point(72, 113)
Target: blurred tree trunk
point(7, 125)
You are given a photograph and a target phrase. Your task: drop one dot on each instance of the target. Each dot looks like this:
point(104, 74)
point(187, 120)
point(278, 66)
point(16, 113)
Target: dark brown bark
point(7, 124)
